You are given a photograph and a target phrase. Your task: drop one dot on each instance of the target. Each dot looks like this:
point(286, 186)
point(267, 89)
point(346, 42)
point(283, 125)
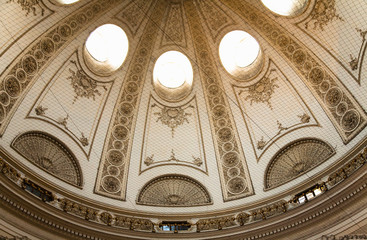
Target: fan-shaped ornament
point(296, 159)
point(174, 190)
point(49, 154)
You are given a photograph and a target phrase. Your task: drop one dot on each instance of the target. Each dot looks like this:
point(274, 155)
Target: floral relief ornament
point(262, 90)
point(354, 60)
point(29, 5)
point(323, 13)
point(83, 85)
point(172, 116)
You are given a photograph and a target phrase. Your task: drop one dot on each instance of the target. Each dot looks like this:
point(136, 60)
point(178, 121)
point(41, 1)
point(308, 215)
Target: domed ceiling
point(97, 123)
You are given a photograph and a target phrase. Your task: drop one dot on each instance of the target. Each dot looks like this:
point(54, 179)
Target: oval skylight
point(286, 7)
point(108, 44)
point(238, 50)
point(173, 69)
point(67, 1)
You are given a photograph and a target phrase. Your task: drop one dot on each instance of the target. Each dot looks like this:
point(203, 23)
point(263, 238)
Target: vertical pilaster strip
point(21, 74)
point(114, 166)
point(343, 110)
point(232, 166)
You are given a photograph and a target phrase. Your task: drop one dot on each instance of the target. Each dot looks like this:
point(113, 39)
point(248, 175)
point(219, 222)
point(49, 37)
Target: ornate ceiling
point(113, 147)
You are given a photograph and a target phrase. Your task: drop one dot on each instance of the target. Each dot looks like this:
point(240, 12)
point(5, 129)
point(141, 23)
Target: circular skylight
point(173, 69)
point(286, 7)
point(238, 50)
point(108, 44)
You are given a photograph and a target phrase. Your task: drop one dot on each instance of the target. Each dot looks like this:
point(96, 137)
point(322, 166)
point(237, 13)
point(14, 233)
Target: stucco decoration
point(174, 29)
point(25, 69)
point(114, 165)
point(296, 159)
point(232, 166)
point(49, 154)
point(338, 103)
point(174, 190)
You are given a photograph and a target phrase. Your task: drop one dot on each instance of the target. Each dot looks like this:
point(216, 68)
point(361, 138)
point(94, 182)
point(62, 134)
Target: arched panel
point(296, 159)
point(172, 191)
point(49, 154)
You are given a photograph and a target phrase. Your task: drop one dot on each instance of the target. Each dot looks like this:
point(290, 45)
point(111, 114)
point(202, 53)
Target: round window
point(107, 47)
point(240, 54)
point(286, 7)
point(172, 75)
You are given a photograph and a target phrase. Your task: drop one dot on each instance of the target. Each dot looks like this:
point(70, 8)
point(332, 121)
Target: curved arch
point(174, 190)
point(295, 159)
point(49, 154)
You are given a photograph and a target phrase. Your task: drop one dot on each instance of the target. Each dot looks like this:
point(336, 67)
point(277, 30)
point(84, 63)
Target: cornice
point(345, 187)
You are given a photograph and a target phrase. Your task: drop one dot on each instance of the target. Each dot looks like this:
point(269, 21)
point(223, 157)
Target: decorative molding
point(49, 154)
point(271, 100)
point(216, 223)
point(116, 152)
point(173, 191)
point(230, 156)
point(174, 29)
point(150, 160)
point(343, 110)
point(304, 118)
point(172, 116)
point(29, 6)
point(323, 13)
point(214, 17)
point(133, 14)
point(296, 159)
point(262, 90)
point(110, 219)
point(84, 86)
point(184, 143)
point(20, 75)
point(356, 62)
point(66, 95)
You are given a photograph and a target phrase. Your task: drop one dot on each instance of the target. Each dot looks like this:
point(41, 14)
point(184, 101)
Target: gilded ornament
point(350, 120)
point(173, 190)
point(49, 154)
point(30, 65)
point(230, 159)
point(2, 114)
point(341, 108)
point(316, 75)
point(83, 140)
point(21, 75)
point(333, 97)
point(12, 86)
point(354, 63)
point(172, 116)
point(29, 6)
point(296, 159)
point(262, 90)
point(120, 132)
point(237, 185)
point(4, 98)
point(40, 111)
point(84, 86)
point(123, 126)
point(115, 157)
point(323, 13)
point(111, 184)
point(305, 118)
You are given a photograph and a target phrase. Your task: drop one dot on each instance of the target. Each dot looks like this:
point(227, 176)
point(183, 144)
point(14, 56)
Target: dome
point(185, 119)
